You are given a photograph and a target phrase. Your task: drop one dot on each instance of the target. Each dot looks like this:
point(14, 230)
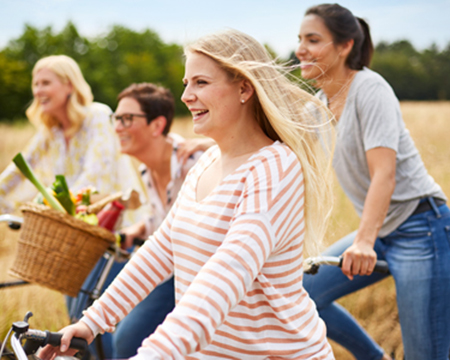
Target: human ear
point(246, 90)
point(158, 124)
point(346, 48)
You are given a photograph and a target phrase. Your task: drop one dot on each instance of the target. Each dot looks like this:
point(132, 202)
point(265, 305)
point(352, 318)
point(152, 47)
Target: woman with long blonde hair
point(234, 238)
point(74, 137)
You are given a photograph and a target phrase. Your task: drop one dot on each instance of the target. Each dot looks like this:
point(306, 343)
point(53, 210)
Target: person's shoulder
point(277, 156)
point(98, 110)
point(366, 78)
point(371, 87)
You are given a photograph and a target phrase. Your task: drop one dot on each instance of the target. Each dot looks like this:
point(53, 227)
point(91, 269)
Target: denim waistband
point(426, 204)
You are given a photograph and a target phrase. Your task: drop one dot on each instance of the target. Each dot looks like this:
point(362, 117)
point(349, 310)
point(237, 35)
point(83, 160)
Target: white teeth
point(199, 112)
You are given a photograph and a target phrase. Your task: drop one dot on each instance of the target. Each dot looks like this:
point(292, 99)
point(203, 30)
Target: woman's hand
point(190, 146)
point(359, 259)
point(134, 231)
point(80, 329)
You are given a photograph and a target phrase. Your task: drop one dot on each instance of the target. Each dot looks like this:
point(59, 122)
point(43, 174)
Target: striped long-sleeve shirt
point(237, 260)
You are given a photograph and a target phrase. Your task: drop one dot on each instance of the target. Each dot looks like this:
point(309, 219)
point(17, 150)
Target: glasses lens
point(127, 119)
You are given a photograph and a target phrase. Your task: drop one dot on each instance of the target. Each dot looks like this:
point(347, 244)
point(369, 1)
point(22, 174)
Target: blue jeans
point(418, 254)
point(137, 325)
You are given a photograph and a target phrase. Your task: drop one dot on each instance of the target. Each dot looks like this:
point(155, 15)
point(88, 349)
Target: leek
point(62, 194)
point(26, 170)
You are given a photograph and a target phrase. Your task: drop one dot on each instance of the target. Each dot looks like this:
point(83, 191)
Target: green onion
point(26, 170)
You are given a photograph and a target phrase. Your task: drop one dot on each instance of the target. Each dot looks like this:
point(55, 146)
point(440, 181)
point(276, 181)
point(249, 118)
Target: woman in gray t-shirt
point(404, 218)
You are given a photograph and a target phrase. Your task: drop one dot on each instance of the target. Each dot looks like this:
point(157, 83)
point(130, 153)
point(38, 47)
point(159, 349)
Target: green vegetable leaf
point(63, 195)
point(26, 170)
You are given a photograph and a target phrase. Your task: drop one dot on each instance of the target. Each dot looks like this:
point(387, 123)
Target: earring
point(242, 101)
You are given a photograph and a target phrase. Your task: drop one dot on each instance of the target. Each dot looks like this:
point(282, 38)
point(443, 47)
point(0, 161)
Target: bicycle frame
point(18, 350)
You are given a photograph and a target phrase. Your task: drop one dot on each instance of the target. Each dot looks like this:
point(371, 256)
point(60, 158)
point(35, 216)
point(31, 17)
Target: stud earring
point(242, 101)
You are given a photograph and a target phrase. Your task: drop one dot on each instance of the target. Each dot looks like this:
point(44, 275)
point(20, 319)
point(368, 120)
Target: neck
point(337, 84)
point(63, 119)
point(238, 142)
point(156, 157)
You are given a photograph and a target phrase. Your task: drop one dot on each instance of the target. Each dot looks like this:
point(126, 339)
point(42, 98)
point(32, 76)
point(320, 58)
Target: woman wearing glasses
point(142, 122)
point(74, 137)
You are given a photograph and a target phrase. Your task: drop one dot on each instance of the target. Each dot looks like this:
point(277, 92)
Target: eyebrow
point(197, 76)
point(310, 35)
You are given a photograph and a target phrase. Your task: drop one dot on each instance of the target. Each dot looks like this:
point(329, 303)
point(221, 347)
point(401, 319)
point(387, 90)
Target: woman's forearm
point(375, 207)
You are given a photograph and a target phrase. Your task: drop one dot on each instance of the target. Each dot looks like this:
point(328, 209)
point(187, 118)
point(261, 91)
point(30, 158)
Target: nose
point(36, 89)
point(301, 50)
point(187, 96)
point(118, 127)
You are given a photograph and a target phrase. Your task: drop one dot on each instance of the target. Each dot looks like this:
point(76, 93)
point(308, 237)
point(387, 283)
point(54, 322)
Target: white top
point(237, 260)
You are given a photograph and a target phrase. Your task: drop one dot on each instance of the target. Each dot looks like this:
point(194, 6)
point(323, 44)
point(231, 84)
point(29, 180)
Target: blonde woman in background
point(74, 137)
point(234, 238)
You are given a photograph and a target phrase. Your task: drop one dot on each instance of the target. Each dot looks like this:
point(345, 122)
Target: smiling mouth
point(44, 101)
point(306, 64)
point(198, 114)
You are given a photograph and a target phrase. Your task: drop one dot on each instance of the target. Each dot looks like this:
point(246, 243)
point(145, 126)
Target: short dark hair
point(344, 26)
point(154, 101)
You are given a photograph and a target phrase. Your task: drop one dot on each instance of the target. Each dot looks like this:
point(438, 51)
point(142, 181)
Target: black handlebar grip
point(54, 339)
point(138, 242)
point(14, 226)
point(381, 266)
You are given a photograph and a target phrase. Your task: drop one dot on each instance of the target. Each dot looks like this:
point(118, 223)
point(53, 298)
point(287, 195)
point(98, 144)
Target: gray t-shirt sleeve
point(378, 111)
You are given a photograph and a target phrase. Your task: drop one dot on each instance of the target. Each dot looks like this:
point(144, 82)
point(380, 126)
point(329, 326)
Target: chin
point(125, 150)
point(46, 111)
point(198, 129)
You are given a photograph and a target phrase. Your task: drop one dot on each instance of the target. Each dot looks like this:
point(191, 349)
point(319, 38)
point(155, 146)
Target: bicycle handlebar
point(313, 264)
point(37, 338)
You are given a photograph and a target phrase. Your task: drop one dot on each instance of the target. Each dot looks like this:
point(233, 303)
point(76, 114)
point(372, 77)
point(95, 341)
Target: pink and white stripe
point(237, 260)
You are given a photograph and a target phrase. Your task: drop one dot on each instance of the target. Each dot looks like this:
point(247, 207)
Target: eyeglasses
point(126, 119)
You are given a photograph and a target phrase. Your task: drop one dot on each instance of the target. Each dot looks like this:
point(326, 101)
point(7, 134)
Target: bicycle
point(34, 339)
point(111, 255)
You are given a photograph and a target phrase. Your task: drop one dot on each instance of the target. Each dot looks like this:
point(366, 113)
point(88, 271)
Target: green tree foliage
point(122, 56)
point(414, 75)
point(109, 63)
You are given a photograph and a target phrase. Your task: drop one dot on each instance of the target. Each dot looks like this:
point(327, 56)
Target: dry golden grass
point(374, 307)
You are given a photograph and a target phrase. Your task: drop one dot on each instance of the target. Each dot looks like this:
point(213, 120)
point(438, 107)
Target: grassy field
point(374, 307)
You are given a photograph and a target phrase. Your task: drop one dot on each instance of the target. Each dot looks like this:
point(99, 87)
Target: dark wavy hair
point(344, 26)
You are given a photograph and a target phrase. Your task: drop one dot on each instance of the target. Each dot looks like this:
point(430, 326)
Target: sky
point(273, 22)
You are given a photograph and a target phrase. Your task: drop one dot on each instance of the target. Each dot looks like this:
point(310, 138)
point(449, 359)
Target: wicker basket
point(57, 250)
